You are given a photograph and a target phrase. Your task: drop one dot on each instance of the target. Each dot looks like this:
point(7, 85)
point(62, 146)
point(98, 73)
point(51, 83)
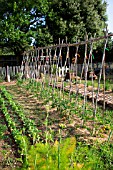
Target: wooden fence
point(43, 60)
point(33, 72)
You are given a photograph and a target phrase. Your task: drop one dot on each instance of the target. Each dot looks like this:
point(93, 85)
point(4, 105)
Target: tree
point(18, 22)
point(73, 18)
point(48, 20)
point(64, 19)
point(43, 37)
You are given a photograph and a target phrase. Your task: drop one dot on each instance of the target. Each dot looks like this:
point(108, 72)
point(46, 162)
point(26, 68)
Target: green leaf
point(107, 49)
point(93, 56)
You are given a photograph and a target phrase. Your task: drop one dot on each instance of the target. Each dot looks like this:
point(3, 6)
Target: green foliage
point(73, 18)
point(2, 78)
point(43, 37)
point(97, 156)
point(107, 85)
point(53, 69)
point(6, 51)
point(58, 156)
point(67, 153)
point(48, 20)
point(18, 22)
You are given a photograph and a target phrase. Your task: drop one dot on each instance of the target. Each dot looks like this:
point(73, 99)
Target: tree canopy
point(46, 21)
point(73, 18)
point(17, 22)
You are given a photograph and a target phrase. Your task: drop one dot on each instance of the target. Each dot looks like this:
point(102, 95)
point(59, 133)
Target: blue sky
point(110, 15)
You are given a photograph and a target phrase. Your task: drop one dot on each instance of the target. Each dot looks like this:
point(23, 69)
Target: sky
point(110, 15)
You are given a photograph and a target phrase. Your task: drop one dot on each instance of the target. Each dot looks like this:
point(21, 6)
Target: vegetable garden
point(51, 127)
point(47, 130)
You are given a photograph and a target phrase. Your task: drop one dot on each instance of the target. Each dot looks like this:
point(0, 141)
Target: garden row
point(33, 159)
point(22, 129)
point(40, 136)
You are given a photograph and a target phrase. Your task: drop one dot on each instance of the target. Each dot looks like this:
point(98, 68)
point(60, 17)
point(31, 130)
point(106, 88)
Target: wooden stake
point(103, 58)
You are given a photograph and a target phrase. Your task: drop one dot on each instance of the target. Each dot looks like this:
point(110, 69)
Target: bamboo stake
point(38, 63)
point(55, 67)
point(42, 77)
point(57, 64)
point(50, 67)
point(62, 80)
point(103, 58)
point(51, 79)
point(36, 66)
point(76, 73)
point(85, 83)
point(48, 71)
point(75, 63)
point(75, 44)
point(91, 50)
point(70, 79)
point(46, 66)
point(104, 87)
point(60, 58)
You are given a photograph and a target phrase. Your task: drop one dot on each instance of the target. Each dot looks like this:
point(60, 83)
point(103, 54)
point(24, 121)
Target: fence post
point(7, 74)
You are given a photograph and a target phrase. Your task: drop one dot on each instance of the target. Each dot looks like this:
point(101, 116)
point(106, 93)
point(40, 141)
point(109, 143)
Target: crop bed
point(37, 116)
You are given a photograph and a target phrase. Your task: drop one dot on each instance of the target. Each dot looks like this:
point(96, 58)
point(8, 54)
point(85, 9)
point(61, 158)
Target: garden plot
point(8, 150)
point(43, 114)
point(61, 113)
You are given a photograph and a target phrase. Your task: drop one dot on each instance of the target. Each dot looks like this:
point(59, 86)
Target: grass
point(108, 84)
